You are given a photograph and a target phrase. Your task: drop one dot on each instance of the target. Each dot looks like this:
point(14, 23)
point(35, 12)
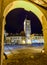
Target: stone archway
point(30, 7)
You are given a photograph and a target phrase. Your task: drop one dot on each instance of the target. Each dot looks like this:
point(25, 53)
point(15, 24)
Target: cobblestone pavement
point(26, 57)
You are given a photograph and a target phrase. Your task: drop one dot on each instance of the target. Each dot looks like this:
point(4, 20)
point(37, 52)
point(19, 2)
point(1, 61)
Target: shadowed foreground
point(26, 57)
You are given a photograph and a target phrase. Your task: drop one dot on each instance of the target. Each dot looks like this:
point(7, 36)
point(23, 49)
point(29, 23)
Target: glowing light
point(23, 41)
point(42, 51)
point(7, 52)
point(29, 41)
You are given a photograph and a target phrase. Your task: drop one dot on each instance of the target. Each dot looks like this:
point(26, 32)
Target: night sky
point(15, 21)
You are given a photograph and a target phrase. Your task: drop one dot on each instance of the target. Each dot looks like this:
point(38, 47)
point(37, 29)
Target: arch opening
point(28, 8)
point(19, 15)
point(14, 28)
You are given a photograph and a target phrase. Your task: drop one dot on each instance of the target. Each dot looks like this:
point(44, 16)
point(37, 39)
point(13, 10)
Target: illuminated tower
point(27, 30)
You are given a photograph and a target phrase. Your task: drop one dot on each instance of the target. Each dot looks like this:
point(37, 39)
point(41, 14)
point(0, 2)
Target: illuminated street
point(26, 56)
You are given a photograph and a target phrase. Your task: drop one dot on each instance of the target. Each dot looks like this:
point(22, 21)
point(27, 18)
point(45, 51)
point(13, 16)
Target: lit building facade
point(15, 40)
point(37, 39)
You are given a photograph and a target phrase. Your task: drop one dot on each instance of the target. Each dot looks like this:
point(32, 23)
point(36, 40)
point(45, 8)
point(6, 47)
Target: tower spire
point(27, 30)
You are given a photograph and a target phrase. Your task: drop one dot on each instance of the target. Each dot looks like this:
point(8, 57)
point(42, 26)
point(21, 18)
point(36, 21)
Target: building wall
point(14, 39)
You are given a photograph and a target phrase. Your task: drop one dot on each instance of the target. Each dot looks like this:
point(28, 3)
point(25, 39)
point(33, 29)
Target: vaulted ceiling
point(40, 2)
